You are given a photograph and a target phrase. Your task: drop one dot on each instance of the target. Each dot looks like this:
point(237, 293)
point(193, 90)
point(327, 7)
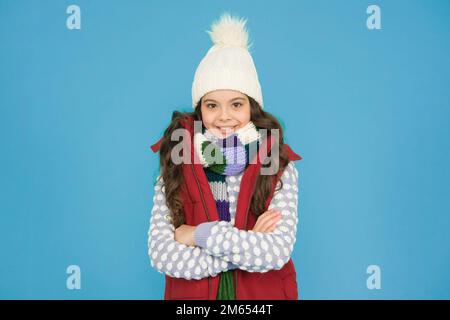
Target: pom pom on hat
point(229, 31)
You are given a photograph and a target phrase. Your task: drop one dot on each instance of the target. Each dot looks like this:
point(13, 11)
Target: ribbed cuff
point(202, 232)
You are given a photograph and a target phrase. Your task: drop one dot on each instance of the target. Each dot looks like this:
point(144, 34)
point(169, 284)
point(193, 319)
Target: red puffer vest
point(199, 207)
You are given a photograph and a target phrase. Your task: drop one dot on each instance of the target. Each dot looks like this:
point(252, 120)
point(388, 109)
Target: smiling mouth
point(228, 129)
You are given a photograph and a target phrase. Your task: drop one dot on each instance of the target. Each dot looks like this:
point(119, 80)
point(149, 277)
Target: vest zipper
point(200, 191)
point(207, 215)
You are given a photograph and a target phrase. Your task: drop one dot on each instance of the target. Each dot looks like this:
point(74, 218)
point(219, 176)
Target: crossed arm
point(210, 248)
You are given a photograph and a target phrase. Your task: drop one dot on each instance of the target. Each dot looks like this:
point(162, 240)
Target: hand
point(185, 234)
point(267, 221)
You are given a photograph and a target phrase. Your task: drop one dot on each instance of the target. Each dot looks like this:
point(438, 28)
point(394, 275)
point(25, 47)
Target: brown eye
point(237, 104)
point(210, 104)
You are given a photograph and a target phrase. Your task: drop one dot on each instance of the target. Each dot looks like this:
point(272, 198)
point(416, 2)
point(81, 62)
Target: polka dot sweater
point(219, 246)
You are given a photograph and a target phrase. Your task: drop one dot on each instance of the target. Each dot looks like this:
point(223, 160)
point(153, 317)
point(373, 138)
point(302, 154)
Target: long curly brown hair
point(172, 173)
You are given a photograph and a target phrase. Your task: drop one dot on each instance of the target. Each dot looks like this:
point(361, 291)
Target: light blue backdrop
point(367, 109)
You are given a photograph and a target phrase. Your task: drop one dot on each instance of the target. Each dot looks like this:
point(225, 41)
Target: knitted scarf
point(222, 157)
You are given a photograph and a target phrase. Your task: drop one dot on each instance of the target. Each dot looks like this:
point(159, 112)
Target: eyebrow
point(237, 98)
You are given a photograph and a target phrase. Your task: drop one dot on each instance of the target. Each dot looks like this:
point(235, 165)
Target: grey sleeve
point(257, 251)
point(171, 257)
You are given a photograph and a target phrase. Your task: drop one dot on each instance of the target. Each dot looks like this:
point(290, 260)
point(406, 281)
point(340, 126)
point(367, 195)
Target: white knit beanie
point(228, 63)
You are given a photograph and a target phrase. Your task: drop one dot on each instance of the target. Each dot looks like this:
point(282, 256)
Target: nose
point(224, 116)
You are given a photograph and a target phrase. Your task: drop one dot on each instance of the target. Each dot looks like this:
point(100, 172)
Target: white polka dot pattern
point(258, 251)
point(226, 247)
point(171, 257)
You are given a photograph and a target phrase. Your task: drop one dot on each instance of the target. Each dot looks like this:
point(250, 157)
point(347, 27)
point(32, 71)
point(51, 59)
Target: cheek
point(244, 115)
point(208, 119)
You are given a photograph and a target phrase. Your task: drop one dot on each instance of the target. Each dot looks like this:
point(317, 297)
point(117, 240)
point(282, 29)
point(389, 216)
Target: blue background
point(368, 110)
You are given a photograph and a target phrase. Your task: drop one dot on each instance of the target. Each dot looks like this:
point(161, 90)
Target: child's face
point(225, 111)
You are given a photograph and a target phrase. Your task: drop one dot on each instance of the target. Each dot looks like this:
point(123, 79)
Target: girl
point(222, 227)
